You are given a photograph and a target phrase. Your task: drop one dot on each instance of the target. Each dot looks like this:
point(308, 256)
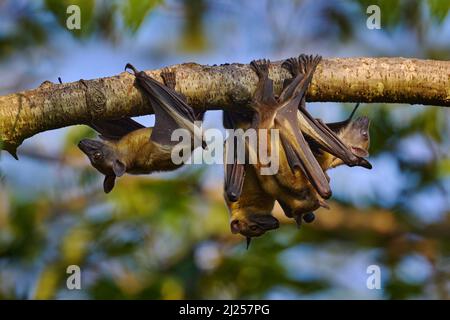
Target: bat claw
point(298, 220)
point(130, 66)
point(261, 67)
point(324, 204)
point(291, 65)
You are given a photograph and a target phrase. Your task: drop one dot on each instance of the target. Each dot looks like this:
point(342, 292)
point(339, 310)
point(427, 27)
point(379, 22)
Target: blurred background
point(166, 236)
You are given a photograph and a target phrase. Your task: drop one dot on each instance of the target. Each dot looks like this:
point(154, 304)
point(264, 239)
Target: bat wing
point(171, 111)
point(298, 152)
point(325, 137)
point(303, 69)
point(115, 129)
point(234, 181)
point(234, 171)
point(300, 156)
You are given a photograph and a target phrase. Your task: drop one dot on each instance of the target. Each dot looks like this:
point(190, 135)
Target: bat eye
point(97, 155)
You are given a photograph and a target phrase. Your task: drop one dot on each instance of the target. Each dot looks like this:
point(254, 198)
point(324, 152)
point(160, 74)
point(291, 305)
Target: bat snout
point(266, 222)
point(88, 146)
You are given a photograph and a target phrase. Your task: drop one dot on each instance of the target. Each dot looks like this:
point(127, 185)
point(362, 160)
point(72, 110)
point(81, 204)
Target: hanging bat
point(129, 147)
point(315, 129)
point(354, 134)
point(251, 212)
point(283, 113)
point(266, 113)
point(171, 110)
point(251, 215)
point(250, 207)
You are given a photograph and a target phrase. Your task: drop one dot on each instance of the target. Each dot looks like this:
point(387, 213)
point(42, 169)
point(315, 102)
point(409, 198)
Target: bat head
point(254, 225)
point(104, 158)
point(355, 135)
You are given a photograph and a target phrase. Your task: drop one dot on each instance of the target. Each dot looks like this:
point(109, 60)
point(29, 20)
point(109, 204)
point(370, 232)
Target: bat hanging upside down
point(298, 191)
point(251, 214)
point(129, 147)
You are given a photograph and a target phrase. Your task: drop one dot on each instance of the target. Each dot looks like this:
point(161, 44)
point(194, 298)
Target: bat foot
point(261, 67)
point(292, 66)
point(308, 63)
point(168, 77)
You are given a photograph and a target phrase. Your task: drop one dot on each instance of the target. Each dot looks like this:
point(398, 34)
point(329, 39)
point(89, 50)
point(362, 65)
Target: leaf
point(439, 9)
point(134, 12)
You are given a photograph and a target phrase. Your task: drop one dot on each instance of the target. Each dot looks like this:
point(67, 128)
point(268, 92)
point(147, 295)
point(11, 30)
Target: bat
point(283, 111)
point(171, 110)
point(287, 113)
point(129, 147)
point(251, 214)
point(300, 199)
point(249, 206)
point(234, 173)
point(252, 210)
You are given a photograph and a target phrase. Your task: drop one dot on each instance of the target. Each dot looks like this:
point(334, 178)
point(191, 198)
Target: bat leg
point(264, 90)
point(170, 81)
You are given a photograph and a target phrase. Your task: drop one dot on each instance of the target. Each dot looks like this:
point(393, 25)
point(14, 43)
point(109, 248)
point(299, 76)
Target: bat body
point(251, 215)
point(298, 191)
point(249, 205)
point(294, 192)
point(300, 199)
point(129, 147)
point(288, 114)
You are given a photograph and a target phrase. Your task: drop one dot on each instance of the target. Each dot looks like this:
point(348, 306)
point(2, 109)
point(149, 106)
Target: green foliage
point(439, 9)
point(135, 11)
point(87, 7)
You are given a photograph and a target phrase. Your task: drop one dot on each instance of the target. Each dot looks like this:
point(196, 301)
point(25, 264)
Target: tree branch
point(51, 106)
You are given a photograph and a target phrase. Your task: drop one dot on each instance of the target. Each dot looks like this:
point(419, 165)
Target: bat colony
point(306, 147)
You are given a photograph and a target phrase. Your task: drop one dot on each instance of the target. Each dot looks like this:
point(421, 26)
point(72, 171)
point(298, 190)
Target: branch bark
point(51, 106)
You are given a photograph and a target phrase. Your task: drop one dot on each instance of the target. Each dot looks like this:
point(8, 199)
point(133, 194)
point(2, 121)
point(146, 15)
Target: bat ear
point(119, 168)
point(234, 225)
point(108, 183)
